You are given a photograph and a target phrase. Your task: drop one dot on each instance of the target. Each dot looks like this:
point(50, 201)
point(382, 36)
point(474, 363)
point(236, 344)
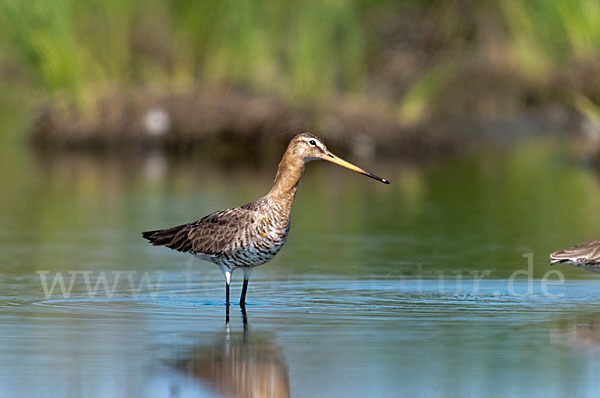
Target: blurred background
point(405, 77)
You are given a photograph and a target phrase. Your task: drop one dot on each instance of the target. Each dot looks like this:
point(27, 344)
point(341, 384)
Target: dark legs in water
point(227, 294)
point(227, 282)
point(243, 297)
point(247, 272)
point(227, 273)
point(244, 317)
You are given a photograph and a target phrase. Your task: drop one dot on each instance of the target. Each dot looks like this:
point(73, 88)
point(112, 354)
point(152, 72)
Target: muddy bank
point(225, 121)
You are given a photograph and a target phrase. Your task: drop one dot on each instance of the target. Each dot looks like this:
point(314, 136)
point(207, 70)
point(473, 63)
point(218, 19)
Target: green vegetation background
point(72, 53)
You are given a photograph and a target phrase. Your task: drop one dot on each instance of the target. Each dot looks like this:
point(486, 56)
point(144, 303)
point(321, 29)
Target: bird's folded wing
point(584, 253)
point(209, 235)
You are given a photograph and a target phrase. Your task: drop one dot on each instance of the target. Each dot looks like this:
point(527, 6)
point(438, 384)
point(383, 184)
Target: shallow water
point(407, 289)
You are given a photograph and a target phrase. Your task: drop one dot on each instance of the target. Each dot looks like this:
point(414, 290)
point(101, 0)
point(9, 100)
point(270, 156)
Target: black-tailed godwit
point(250, 235)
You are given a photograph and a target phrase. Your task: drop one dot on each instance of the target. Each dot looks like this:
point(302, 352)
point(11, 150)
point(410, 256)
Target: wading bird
point(250, 235)
point(586, 254)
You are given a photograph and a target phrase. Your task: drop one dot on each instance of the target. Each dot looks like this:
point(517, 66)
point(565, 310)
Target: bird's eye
point(312, 142)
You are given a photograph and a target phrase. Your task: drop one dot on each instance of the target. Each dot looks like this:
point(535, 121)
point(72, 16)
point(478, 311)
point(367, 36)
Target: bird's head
point(308, 147)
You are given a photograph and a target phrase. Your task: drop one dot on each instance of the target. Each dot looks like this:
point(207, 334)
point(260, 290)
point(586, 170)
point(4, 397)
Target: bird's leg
point(247, 272)
point(227, 282)
point(244, 320)
point(243, 296)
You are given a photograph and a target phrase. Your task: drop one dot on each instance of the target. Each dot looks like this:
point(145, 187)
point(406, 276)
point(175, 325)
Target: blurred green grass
point(307, 51)
point(305, 48)
point(550, 35)
point(546, 34)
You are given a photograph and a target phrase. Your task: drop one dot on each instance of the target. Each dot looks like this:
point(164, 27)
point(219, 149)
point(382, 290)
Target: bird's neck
point(288, 175)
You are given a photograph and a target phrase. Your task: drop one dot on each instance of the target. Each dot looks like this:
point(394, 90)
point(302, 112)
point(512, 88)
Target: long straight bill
point(330, 157)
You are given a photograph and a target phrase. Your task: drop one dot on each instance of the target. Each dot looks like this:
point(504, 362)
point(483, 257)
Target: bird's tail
point(163, 237)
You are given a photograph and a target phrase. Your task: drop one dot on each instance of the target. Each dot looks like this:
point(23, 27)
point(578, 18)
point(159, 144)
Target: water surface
point(406, 289)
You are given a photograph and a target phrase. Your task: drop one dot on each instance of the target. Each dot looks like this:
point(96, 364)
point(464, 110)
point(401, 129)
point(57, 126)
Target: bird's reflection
point(238, 364)
point(581, 331)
